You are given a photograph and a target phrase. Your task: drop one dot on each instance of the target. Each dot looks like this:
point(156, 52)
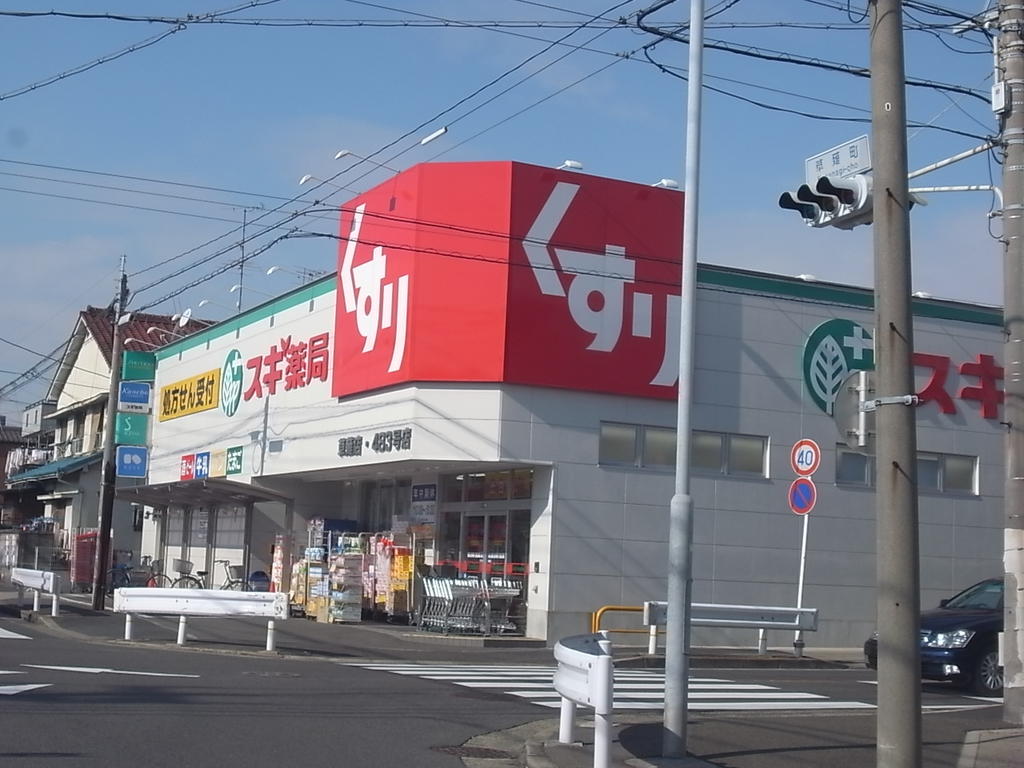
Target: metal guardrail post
point(35, 600)
point(55, 603)
point(270, 635)
point(181, 630)
point(127, 626)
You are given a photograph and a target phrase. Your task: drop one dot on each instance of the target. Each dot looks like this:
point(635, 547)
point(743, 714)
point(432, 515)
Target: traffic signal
point(832, 202)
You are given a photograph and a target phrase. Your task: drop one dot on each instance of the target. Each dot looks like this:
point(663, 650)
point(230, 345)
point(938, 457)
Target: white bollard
point(567, 721)
point(35, 600)
point(762, 642)
point(127, 626)
point(602, 740)
point(652, 640)
point(55, 605)
point(181, 630)
point(271, 644)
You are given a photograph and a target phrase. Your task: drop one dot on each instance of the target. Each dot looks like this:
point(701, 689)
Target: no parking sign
point(802, 495)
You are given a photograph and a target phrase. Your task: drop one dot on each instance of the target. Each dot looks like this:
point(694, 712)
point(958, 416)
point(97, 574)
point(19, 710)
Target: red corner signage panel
point(503, 272)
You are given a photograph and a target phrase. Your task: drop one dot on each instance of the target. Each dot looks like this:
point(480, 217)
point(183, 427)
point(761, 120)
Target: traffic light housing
point(832, 202)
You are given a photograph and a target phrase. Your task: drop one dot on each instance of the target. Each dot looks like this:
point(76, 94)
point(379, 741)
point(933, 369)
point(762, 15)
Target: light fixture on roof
point(342, 153)
point(164, 332)
point(806, 277)
point(205, 302)
point(238, 286)
point(921, 295)
point(666, 184)
point(570, 165)
point(141, 341)
point(435, 135)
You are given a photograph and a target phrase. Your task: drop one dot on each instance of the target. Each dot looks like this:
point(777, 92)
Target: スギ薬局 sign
point(513, 273)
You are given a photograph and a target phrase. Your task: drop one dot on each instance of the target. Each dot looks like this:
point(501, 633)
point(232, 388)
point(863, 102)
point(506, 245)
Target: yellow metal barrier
point(595, 617)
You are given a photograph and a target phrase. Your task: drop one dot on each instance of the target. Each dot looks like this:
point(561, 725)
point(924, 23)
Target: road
point(101, 703)
point(156, 708)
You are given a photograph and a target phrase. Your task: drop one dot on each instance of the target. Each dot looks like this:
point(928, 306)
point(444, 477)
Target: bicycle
point(185, 578)
point(234, 577)
point(126, 575)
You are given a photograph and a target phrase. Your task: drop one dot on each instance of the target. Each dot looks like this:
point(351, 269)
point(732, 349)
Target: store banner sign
point(134, 397)
point(218, 463)
point(192, 395)
point(593, 263)
point(202, 465)
point(423, 506)
point(138, 366)
point(131, 428)
point(233, 460)
point(132, 461)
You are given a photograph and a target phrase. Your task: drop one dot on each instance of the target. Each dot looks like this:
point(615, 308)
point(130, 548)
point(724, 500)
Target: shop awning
point(57, 468)
point(204, 492)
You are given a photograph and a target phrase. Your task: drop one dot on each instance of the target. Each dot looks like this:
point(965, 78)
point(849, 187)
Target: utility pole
point(109, 473)
point(1011, 64)
point(898, 590)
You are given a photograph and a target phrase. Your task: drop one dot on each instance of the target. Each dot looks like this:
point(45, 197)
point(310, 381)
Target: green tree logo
point(231, 383)
point(833, 351)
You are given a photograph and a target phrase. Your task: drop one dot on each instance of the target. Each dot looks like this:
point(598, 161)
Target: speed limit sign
point(805, 457)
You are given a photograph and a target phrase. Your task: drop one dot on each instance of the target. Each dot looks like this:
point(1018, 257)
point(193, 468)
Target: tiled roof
point(10, 434)
point(100, 321)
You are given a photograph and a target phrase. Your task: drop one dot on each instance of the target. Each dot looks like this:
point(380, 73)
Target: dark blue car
point(959, 640)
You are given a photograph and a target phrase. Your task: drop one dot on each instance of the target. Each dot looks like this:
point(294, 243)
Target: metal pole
point(898, 591)
point(798, 637)
point(107, 488)
point(680, 531)
point(1011, 62)
point(182, 624)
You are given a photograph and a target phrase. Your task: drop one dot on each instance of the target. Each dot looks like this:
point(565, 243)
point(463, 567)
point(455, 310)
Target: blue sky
point(249, 109)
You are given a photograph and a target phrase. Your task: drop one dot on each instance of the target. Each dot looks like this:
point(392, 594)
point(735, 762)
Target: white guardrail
point(757, 617)
point(585, 675)
point(200, 602)
point(38, 582)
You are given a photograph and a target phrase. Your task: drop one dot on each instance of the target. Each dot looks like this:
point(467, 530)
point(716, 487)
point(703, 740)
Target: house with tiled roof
point(65, 475)
point(10, 444)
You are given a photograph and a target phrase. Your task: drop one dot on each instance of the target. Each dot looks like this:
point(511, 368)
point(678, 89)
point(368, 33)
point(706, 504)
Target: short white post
point(762, 641)
point(55, 605)
point(270, 635)
point(602, 740)
point(35, 600)
point(652, 640)
point(127, 626)
point(181, 630)
point(603, 714)
point(567, 721)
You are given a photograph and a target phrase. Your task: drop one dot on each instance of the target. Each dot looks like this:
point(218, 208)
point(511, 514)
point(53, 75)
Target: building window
point(618, 444)
point(728, 454)
point(651, 447)
point(936, 472)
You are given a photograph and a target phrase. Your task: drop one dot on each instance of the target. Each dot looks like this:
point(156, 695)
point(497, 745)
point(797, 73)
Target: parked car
point(959, 640)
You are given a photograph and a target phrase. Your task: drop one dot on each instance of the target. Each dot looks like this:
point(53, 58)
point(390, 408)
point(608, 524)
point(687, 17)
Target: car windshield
point(986, 595)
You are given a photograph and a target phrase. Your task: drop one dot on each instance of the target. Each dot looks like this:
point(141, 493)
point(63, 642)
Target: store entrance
point(495, 543)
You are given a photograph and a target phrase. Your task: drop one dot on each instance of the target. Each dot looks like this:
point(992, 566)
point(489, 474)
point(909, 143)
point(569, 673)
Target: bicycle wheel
point(159, 580)
point(117, 577)
point(187, 582)
point(236, 585)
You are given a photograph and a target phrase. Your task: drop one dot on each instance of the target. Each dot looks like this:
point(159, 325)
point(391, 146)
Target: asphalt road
point(171, 708)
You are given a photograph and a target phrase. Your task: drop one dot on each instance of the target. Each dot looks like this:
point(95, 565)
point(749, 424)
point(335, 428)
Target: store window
point(522, 483)
point(175, 534)
point(659, 447)
point(230, 527)
point(853, 468)
point(936, 472)
point(488, 486)
point(618, 444)
point(728, 454)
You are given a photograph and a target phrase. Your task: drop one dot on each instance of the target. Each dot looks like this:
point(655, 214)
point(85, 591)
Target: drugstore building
point(491, 376)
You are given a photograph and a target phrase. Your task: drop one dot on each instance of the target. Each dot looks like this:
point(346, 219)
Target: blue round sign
point(802, 495)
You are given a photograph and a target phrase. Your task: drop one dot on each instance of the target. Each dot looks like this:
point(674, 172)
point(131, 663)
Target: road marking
point(634, 688)
point(100, 670)
point(10, 690)
point(10, 672)
point(6, 634)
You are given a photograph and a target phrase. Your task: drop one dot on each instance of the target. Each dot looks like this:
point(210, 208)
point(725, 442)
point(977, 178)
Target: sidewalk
point(637, 737)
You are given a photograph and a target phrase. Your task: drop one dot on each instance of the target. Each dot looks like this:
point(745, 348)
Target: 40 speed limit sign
point(805, 458)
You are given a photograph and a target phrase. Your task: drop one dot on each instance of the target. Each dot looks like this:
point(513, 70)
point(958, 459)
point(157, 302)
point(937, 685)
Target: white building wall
point(89, 377)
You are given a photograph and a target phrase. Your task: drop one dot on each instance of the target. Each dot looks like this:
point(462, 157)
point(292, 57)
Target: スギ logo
point(833, 351)
point(231, 383)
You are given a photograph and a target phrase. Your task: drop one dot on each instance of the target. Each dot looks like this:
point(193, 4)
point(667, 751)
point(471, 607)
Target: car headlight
point(956, 639)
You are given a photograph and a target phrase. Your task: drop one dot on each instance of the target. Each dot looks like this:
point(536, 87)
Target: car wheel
point(987, 675)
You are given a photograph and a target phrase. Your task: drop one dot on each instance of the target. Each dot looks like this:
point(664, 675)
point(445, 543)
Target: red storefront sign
point(505, 272)
point(983, 369)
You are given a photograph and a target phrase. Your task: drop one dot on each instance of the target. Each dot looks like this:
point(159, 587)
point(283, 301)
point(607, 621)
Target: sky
point(162, 131)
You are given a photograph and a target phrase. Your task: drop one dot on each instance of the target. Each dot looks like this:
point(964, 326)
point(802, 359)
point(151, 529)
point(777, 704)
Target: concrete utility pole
point(99, 571)
point(899, 653)
point(680, 526)
point(1011, 65)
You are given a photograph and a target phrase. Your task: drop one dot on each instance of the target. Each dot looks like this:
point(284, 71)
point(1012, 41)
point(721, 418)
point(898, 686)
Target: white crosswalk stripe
point(634, 688)
point(6, 634)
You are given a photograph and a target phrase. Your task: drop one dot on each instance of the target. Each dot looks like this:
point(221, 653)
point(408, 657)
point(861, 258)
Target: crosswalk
point(635, 689)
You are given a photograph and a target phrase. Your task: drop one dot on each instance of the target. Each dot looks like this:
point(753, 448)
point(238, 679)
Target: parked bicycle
point(148, 573)
point(185, 578)
point(234, 577)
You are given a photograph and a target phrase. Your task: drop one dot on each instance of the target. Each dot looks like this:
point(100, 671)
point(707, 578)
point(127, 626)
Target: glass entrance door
point(493, 547)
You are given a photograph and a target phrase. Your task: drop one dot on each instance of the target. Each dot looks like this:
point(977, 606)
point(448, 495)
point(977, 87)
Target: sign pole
point(798, 637)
